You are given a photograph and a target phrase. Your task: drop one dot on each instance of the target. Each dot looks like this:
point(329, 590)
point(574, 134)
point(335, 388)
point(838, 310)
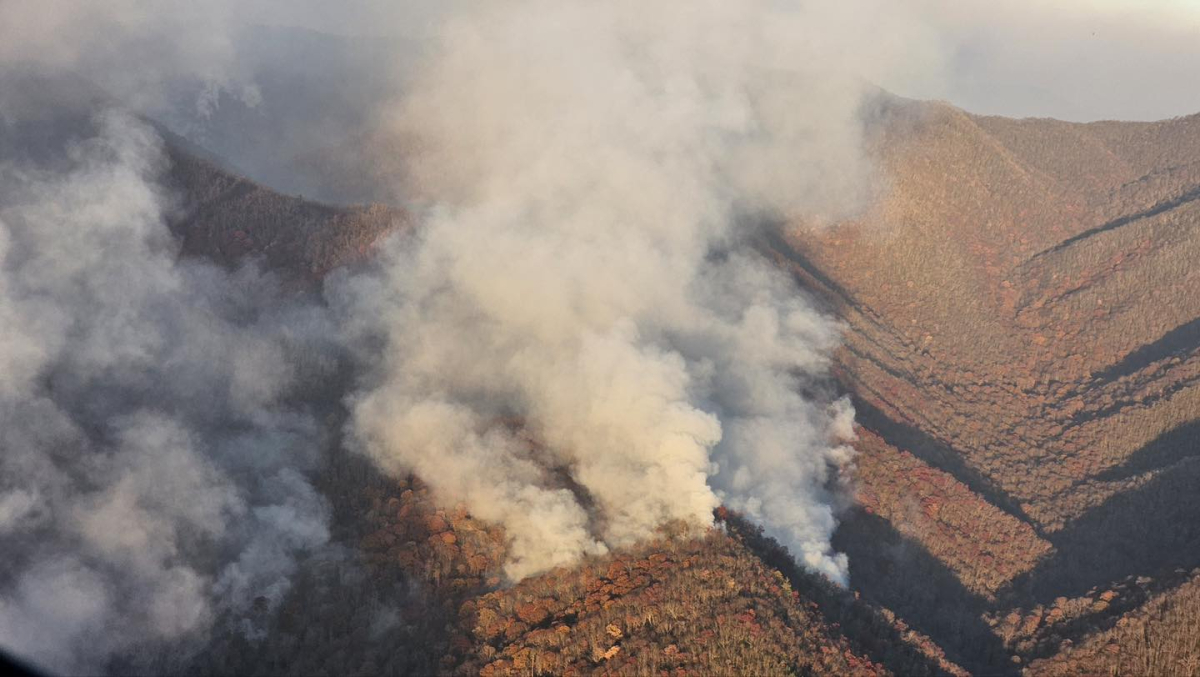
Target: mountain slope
point(1022, 335)
point(214, 212)
point(1022, 316)
point(726, 599)
point(227, 218)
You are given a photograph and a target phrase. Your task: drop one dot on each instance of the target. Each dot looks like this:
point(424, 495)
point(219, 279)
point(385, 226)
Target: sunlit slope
point(1023, 315)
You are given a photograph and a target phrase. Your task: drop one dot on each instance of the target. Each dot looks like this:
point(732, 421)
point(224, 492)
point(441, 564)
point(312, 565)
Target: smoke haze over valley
point(522, 336)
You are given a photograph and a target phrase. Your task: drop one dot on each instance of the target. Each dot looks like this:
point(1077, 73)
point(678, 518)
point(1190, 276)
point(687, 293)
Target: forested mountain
point(1022, 334)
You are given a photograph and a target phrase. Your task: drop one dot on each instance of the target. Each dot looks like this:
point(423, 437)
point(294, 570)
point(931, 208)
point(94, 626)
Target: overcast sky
point(1070, 59)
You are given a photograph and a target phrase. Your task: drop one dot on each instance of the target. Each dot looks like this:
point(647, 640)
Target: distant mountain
point(228, 218)
point(217, 213)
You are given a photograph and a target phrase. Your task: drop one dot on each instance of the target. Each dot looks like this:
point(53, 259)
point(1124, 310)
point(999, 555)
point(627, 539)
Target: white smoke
point(150, 472)
point(597, 174)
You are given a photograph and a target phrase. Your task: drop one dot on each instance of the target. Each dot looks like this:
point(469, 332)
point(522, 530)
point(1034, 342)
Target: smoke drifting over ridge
point(580, 341)
point(151, 475)
point(595, 177)
point(597, 173)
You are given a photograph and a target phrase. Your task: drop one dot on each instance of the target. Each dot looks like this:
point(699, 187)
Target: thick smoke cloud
point(130, 48)
point(151, 472)
point(597, 174)
point(580, 340)
point(295, 92)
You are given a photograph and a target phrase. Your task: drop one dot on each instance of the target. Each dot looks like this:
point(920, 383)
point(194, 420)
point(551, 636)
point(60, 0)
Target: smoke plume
point(151, 470)
point(597, 175)
point(581, 340)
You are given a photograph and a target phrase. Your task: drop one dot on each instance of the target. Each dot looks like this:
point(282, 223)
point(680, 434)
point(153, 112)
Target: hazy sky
point(1070, 59)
